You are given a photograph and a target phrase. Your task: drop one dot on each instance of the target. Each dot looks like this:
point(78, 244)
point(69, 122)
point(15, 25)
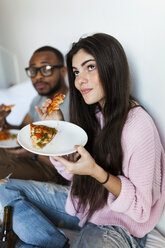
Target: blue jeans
point(96, 236)
point(39, 208)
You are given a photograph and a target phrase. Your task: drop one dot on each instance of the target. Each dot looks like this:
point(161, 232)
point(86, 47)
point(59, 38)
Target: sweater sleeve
point(61, 169)
point(141, 182)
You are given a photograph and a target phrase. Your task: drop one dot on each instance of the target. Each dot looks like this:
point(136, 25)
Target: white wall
point(138, 24)
point(9, 71)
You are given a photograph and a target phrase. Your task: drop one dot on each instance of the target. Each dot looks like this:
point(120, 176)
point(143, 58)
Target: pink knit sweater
point(142, 197)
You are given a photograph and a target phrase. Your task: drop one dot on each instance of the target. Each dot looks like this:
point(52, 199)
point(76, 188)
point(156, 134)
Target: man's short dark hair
point(51, 49)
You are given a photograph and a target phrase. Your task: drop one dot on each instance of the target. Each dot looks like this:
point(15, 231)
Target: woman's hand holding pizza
point(84, 164)
point(44, 115)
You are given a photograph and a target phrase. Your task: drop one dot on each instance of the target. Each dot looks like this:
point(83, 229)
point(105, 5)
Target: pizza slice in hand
point(58, 99)
point(41, 135)
point(8, 107)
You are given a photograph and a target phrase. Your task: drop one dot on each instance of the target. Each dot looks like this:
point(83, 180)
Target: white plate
point(62, 144)
point(11, 143)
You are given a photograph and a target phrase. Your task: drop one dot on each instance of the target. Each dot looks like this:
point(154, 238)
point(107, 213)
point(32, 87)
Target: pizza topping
point(58, 99)
point(41, 135)
point(5, 134)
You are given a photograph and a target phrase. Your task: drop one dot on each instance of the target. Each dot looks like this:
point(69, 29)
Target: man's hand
point(3, 115)
point(43, 112)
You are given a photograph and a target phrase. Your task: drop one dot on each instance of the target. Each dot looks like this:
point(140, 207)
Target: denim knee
point(8, 195)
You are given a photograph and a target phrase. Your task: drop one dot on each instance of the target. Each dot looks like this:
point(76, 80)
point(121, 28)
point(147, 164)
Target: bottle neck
point(7, 219)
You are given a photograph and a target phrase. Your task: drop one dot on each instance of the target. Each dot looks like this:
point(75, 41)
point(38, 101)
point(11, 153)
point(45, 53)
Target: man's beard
point(51, 91)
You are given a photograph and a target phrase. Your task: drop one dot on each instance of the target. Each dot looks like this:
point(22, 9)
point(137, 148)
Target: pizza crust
point(8, 107)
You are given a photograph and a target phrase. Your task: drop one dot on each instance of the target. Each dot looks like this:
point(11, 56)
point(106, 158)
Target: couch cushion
point(161, 224)
point(21, 95)
point(155, 239)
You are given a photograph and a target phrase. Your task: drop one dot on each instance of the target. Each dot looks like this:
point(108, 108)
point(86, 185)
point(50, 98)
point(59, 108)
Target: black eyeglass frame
point(51, 67)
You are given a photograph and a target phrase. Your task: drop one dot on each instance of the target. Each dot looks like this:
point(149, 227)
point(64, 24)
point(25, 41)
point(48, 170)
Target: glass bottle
point(7, 236)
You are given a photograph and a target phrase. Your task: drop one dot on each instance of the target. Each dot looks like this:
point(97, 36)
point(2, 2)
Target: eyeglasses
point(46, 70)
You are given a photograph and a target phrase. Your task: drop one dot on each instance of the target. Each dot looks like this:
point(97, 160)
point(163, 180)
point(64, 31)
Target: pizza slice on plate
point(41, 135)
point(8, 107)
point(58, 99)
point(5, 134)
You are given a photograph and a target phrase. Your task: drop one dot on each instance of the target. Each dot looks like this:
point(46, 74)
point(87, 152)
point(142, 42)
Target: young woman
point(117, 187)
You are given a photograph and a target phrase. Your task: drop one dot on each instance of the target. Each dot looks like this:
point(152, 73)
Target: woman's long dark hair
point(104, 144)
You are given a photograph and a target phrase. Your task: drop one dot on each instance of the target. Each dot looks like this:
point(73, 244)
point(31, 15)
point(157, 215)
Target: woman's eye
point(75, 73)
point(91, 67)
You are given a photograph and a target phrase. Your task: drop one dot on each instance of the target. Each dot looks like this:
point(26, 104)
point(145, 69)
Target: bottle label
point(4, 244)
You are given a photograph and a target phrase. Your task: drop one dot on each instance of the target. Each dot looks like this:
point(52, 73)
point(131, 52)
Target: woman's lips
point(85, 91)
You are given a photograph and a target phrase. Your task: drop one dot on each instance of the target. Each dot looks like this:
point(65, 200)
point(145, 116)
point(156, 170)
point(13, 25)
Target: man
point(47, 72)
